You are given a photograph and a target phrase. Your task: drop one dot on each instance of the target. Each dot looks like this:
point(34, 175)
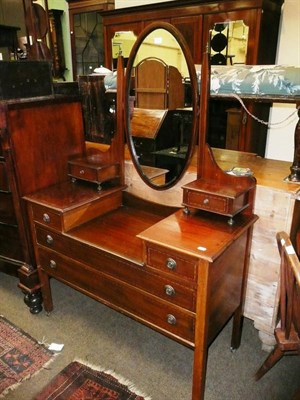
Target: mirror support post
point(203, 110)
point(120, 116)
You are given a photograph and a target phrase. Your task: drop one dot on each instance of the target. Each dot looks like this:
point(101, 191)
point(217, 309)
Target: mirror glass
point(98, 106)
point(229, 42)
point(161, 102)
point(122, 43)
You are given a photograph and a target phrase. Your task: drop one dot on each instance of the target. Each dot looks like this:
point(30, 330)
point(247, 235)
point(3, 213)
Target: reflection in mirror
point(99, 107)
point(122, 43)
point(89, 42)
point(161, 104)
point(229, 42)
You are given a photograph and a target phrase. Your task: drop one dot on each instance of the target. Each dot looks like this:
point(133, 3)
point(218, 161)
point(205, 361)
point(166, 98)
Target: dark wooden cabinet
point(191, 29)
point(26, 165)
point(195, 19)
point(86, 30)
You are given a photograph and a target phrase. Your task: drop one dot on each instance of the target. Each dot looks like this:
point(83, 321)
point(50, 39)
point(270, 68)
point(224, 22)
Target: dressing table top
point(199, 234)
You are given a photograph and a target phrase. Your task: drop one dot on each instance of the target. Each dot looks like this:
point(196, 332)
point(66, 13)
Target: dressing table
point(180, 272)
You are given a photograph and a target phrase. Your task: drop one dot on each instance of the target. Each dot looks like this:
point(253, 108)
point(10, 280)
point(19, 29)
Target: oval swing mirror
point(160, 105)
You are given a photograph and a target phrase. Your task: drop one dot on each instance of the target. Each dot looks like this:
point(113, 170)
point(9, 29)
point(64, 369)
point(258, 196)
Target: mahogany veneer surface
point(214, 234)
point(116, 232)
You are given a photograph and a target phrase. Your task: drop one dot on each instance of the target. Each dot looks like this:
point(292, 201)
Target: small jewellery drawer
point(120, 295)
point(86, 170)
point(46, 217)
point(173, 262)
point(228, 200)
point(4, 186)
point(209, 202)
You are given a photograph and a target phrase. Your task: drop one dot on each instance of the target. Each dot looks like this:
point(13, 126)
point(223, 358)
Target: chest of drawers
point(83, 259)
point(180, 274)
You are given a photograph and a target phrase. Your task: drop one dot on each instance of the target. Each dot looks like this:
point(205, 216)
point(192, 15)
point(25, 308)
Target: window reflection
point(229, 42)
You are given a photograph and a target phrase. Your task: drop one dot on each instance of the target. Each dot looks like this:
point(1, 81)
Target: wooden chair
point(287, 333)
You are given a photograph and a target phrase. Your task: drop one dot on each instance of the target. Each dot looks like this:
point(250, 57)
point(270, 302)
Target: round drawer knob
point(171, 263)
point(52, 264)
point(206, 201)
point(49, 239)
point(171, 319)
point(81, 172)
point(169, 290)
point(46, 218)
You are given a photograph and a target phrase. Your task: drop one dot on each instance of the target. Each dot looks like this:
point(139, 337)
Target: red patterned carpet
point(21, 356)
point(81, 382)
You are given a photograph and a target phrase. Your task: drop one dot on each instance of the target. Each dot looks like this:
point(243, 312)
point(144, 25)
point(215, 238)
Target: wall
point(63, 5)
point(12, 13)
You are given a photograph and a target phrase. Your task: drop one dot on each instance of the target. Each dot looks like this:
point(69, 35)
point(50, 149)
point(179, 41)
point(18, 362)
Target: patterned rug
point(21, 356)
point(81, 382)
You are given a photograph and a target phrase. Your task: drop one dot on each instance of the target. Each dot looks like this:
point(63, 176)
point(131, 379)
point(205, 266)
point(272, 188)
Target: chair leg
point(271, 360)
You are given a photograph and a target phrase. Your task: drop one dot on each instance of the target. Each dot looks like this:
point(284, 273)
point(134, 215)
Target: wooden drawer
point(218, 204)
point(226, 200)
point(124, 297)
point(4, 186)
point(87, 170)
point(69, 216)
point(175, 263)
point(7, 211)
point(46, 216)
point(209, 202)
point(139, 276)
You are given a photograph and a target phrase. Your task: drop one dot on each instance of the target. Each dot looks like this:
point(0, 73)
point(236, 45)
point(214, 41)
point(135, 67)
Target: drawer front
point(7, 211)
point(121, 296)
point(46, 216)
point(94, 174)
point(208, 202)
point(77, 171)
point(139, 276)
point(171, 262)
point(4, 186)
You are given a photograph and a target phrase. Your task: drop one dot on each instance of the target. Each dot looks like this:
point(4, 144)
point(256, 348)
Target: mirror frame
point(195, 99)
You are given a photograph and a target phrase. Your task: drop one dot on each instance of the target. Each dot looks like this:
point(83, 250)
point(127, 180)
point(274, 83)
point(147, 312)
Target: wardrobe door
point(191, 29)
